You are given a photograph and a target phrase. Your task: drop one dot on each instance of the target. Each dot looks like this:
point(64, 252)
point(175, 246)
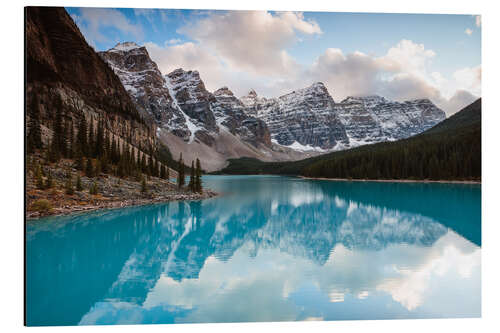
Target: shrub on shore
point(42, 206)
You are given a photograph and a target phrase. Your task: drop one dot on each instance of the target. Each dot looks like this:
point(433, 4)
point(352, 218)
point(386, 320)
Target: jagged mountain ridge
point(230, 113)
point(64, 72)
point(211, 126)
point(309, 117)
point(305, 121)
point(146, 85)
point(179, 101)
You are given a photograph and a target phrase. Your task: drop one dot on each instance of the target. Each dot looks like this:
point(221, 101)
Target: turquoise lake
point(269, 248)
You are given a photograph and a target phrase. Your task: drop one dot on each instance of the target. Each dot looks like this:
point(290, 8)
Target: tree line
point(96, 150)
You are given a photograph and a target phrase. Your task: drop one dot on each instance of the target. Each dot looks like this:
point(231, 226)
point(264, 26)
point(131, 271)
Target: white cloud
point(248, 49)
point(191, 56)
point(468, 31)
point(458, 101)
point(409, 57)
point(253, 41)
point(469, 78)
point(91, 20)
point(413, 285)
point(403, 73)
point(173, 41)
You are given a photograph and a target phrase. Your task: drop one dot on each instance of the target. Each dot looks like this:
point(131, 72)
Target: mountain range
point(143, 108)
point(218, 126)
point(450, 150)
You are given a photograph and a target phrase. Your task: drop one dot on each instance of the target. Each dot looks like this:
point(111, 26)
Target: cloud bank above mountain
point(252, 49)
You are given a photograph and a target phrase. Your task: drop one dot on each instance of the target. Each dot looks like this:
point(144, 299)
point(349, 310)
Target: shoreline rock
point(101, 205)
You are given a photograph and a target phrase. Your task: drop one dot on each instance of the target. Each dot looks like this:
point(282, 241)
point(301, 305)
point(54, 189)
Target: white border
point(11, 131)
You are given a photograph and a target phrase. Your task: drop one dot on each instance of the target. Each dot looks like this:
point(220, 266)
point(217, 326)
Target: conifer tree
point(79, 161)
point(151, 165)
point(163, 172)
point(71, 139)
point(63, 139)
point(68, 186)
point(34, 135)
point(120, 170)
point(198, 183)
point(113, 151)
point(99, 141)
point(191, 185)
point(82, 136)
point(89, 169)
point(59, 142)
point(143, 163)
point(93, 188)
point(46, 154)
point(180, 174)
point(144, 188)
point(104, 163)
point(91, 139)
point(97, 168)
point(79, 186)
point(138, 160)
point(107, 145)
point(50, 182)
point(38, 177)
point(54, 151)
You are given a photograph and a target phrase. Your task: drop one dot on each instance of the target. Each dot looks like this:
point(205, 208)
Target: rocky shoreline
point(105, 204)
point(112, 191)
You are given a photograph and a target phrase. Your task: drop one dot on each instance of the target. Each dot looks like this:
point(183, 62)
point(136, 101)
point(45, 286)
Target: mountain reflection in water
point(268, 249)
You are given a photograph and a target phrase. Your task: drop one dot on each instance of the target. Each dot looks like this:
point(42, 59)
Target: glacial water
point(268, 249)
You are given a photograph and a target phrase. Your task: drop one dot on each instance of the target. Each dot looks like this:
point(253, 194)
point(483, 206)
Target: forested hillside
point(449, 151)
point(87, 146)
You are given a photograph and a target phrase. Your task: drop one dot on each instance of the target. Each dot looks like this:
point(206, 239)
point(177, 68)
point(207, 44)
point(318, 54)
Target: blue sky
point(275, 52)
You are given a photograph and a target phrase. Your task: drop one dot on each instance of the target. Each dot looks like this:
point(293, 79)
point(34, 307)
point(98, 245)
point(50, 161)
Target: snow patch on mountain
point(125, 47)
point(310, 117)
point(299, 147)
point(192, 127)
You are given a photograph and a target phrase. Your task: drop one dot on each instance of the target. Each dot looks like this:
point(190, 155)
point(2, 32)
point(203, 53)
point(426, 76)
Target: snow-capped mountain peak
point(125, 47)
point(307, 119)
point(224, 91)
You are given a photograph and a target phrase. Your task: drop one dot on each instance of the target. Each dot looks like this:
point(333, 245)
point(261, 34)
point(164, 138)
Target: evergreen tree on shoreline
point(69, 184)
point(163, 172)
point(192, 181)
point(89, 170)
point(180, 174)
point(144, 187)
point(79, 186)
point(38, 177)
point(198, 183)
point(50, 182)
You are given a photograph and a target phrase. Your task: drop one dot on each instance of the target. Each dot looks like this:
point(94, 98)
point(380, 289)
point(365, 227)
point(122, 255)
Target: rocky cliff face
point(373, 119)
point(230, 113)
point(309, 119)
point(179, 102)
point(65, 73)
point(304, 116)
point(305, 120)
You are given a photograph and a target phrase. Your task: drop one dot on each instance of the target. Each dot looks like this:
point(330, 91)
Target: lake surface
point(269, 249)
